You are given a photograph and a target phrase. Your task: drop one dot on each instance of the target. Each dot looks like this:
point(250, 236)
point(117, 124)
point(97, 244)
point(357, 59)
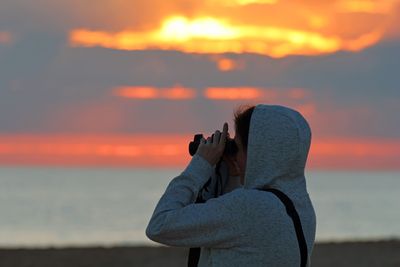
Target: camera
point(230, 145)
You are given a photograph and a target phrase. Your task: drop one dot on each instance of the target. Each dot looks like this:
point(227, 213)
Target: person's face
point(241, 157)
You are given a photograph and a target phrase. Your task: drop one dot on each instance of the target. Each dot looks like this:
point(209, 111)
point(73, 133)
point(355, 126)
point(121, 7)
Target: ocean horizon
point(58, 207)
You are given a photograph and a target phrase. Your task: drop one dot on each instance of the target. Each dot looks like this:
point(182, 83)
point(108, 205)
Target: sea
point(64, 207)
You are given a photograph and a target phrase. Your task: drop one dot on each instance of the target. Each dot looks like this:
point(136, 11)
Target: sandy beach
point(373, 253)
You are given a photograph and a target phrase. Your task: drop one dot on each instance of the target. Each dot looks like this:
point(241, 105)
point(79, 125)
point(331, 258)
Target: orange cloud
point(225, 64)
point(137, 92)
point(239, 2)
point(95, 150)
point(260, 94)
point(208, 35)
point(219, 93)
point(268, 27)
point(145, 92)
point(151, 150)
point(241, 93)
point(366, 6)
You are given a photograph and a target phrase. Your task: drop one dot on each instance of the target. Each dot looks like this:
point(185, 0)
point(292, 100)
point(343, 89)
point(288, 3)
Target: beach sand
point(376, 253)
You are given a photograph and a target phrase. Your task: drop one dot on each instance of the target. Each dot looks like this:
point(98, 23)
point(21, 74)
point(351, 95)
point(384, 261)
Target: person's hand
point(212, 149)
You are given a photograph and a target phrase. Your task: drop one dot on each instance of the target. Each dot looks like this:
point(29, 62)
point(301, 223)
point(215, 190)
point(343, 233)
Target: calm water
point(60, 206)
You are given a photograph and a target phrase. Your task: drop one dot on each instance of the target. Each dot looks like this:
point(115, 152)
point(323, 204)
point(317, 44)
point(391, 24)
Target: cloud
point(212, 93)
point(232, 93)
point(393, 31)
point(274, 28)
point(65, 94)
point(209, 36)
point(239, 2)
point(365, 6)
point(226, 64)
point(94, 150)
point(148, 92)
point(110, 15)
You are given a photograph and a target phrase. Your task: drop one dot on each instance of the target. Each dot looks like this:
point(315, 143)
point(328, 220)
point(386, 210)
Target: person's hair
point(242, 123)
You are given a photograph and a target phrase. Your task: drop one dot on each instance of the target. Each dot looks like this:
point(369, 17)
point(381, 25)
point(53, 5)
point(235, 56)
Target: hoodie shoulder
point(251, 200)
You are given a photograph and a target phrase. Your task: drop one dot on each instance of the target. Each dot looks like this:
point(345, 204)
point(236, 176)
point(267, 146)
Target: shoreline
point(330, 253)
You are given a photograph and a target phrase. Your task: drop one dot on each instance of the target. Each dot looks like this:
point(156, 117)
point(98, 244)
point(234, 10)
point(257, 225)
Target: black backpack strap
point(194, 256)
point(194, 253)
point(291, 211)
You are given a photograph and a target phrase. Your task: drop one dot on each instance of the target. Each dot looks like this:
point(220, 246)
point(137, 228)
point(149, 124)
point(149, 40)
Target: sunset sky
point(128, 83)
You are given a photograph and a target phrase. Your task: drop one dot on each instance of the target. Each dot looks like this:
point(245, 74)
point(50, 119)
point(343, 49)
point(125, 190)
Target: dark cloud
point(49, 87)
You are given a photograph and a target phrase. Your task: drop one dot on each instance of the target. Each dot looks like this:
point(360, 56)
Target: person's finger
point(202, 140)
point(216, 138)
point(222, 140)
point(208, 140)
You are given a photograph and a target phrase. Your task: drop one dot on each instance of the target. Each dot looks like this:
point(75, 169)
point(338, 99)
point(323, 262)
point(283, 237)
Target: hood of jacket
point(278, 145)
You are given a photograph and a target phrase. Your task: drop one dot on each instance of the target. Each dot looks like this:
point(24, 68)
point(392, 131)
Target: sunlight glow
point(137, 92)
point(145, 92)
point(168, 150)
point(366, 6)
point(226, 64)
point(136, 150)
point(178, 92)
point(207, 35)
point(182, 29)
point(364, 41)
point(241, 2)
point(240, 93)
point(218, 93)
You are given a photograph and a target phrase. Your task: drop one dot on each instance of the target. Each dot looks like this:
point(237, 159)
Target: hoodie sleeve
point(178, 221)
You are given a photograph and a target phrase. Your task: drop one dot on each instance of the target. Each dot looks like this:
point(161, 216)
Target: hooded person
point(245, 226)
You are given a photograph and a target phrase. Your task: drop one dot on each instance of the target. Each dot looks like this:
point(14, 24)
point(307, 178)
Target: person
point(245, 226)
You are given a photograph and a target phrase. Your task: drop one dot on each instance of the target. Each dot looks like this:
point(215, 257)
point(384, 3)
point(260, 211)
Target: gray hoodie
point(244, 226)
